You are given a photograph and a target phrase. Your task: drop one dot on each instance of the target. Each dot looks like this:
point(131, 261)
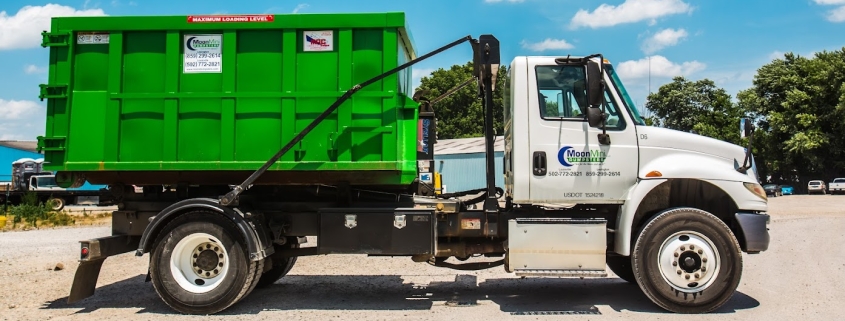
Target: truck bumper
point(755, 231)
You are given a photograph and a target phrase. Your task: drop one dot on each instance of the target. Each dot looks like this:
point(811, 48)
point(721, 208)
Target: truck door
point(568, 163)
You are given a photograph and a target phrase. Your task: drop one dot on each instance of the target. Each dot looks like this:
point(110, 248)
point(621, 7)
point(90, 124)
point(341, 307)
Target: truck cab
point(43, 182)
point(554, 156)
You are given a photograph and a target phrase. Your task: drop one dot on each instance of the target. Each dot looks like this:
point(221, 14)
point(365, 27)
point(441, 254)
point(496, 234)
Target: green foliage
point(800, 106)
point(29, 210)
point(695, 106)
point(461, 115)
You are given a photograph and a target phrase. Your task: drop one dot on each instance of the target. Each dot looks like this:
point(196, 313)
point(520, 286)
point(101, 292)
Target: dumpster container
point(208, 99)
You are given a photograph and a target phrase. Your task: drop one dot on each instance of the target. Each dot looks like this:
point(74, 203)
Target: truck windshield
point(626, 99)
point(48, 181)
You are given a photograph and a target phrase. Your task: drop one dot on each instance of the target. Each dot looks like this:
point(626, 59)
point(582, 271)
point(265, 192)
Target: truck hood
point(683, 141)
point(694, 146)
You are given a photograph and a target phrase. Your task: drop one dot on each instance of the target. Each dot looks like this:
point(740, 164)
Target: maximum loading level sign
point(92, 38)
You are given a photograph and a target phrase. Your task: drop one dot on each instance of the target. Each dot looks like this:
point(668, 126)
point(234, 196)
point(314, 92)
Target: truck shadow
point(514, 296)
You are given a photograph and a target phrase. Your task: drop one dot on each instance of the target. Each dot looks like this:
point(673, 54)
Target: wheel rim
point(56, 204)
point(199, 263)
point(689, 261)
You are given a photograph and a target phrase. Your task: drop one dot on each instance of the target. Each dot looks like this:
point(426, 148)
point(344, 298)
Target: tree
point(698, 107)
point(461, 115)
point(800, 106)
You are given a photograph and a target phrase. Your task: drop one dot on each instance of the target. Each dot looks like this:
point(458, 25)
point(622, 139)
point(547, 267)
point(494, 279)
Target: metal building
point(461, 163)
point(10, 151)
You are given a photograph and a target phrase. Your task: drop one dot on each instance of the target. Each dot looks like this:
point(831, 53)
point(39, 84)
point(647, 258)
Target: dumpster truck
point(258, 139)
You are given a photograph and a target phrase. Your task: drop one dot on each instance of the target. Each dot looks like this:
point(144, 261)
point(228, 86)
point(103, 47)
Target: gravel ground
point(797, 279)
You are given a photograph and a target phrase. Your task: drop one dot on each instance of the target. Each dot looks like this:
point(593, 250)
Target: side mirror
point(595, 86)
point(594, 116)
point(746, 127)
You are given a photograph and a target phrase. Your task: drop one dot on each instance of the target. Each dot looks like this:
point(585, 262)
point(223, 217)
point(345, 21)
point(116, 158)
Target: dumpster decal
point(203, 53)
point(318, 40)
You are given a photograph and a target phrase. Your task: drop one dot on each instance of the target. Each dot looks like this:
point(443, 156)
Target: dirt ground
point(797, 279)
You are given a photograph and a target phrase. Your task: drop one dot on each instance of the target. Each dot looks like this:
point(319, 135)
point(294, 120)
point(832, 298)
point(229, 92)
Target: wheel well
point(685, 192)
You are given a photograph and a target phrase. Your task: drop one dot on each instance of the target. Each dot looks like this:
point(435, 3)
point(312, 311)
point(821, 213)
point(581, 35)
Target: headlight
point(757, 190)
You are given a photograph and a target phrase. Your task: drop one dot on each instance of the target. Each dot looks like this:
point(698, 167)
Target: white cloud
point(497, 1)
point(299, 7)
point(21, 119)
point(830, 2)
point(834, 15)
point(628, 12)
point(23, 30)
point(662, 39)
point(548, 44)
point(33, 69)
point(659, 67)
point(777, 54)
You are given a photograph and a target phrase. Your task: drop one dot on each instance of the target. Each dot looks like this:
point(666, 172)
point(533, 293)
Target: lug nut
point(704, 260)
point(215, 272)
point(683, 248)
point(687, 277)
point(703, 269)
point(220, 265)
point(676, 254)
point(208, 274)
point(675, 263)
point(208, 246)
point(692, 247)
point(679, 272)
point(220, 256)
point(696, 275)
point(700, 251)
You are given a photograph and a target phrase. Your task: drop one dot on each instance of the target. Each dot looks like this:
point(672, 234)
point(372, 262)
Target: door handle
point(540, 163)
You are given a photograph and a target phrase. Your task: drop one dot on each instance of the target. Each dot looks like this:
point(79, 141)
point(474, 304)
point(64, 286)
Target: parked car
point(772, 189)
point(816, 186)
point(837, 186)
point(787, 190)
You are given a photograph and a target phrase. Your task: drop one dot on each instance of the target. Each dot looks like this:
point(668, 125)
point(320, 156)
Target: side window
point(562, 96)
point(562, 92)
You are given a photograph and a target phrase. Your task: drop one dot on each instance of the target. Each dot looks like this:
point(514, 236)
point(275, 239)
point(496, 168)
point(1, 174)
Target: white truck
point(587, 186)
point(837, 186)
point(28, 177)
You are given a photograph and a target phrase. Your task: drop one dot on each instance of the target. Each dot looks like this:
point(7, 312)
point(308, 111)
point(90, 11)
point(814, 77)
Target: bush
point(29, 210)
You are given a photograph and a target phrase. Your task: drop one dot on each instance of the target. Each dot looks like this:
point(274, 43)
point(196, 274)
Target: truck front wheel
point(200, 264)
point(687, 261)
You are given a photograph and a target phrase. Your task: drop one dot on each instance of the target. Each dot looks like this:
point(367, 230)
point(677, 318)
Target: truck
point(28, 176)
point(250, 135)
point(837, 186)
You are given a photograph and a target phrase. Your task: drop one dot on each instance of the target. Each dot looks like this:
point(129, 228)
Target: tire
point(281, 267)
point(621, 266)
point(56, 204)
point(715, 272)
point(228, 276)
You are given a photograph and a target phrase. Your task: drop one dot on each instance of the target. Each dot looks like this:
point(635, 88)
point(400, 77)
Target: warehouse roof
point(30, 146)
point(466, 145)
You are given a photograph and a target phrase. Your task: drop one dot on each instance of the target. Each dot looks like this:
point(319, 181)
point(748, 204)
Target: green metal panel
point(128, 105)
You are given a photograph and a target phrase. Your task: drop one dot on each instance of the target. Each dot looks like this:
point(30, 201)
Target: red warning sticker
point(236, 18)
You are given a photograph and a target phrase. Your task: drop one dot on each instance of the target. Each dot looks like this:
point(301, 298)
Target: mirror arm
point(746, 163)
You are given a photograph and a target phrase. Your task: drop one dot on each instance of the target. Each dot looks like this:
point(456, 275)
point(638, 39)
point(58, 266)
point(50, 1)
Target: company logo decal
point(318, 40)
point(568, 156)
point(194, 44)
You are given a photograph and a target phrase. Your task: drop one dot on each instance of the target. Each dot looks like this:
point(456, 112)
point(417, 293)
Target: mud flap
point(85, 280)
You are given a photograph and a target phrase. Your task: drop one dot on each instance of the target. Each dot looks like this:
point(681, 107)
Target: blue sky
point(723, 40)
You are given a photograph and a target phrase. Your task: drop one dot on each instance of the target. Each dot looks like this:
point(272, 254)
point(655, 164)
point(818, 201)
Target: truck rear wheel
point(200, 264)
point(56, 204)
point(687, 261)
point(280, 267)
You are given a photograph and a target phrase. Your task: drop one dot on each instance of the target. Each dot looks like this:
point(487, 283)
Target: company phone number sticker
point(203, 53)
